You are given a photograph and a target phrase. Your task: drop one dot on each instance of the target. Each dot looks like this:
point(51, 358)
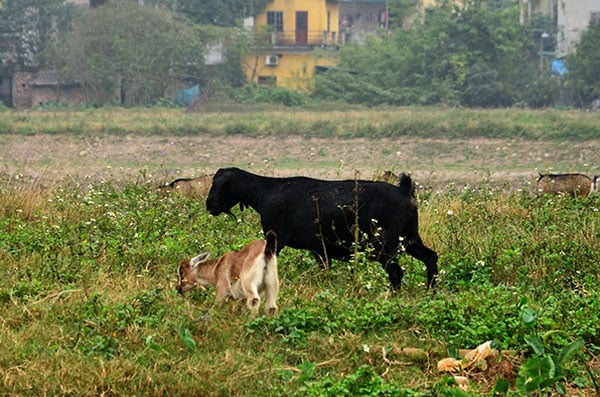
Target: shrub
point(271, 94)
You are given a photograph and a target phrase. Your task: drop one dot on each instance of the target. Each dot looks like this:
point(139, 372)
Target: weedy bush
point(546, 369)
point(362, 382)
point(545, 241)
point(87, 300)
point(271, 94)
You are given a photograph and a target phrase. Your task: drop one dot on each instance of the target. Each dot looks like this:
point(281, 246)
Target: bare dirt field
point(434, 163)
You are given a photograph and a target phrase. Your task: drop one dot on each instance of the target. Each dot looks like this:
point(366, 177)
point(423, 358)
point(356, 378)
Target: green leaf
point(522, 302)
point(536, 373)
point(501, 388)
point(568, 351)
point(547, 369)
point(529, 317)
point(535, 343)
point(187, 338)
point(152, 344)
point(453, 352)
point(307, 368)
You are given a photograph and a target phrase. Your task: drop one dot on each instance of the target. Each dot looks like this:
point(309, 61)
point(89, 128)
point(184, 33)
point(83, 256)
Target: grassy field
point(439, 146)
point(89, 251)
point(325, 122)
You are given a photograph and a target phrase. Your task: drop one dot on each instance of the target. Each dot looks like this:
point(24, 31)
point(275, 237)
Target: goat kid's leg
point(271, 291)
point(253, 303)
point(252, 298)
point(221, 293)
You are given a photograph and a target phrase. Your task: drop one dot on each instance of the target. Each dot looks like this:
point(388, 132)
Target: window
point(267, 80)
point(275, 20)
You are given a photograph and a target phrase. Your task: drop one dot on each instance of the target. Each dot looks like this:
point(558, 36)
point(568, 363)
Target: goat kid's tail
point(406, 185)
point(176, 181)
point(271, 245)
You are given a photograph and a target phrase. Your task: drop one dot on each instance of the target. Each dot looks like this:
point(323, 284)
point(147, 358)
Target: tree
point(220, 12)
point(224, 13)
point(97, 3)
point(26, 27)
point(123, 49)
point(584, 66)
point(458, 56)
point(476, 59)
point(399, 11)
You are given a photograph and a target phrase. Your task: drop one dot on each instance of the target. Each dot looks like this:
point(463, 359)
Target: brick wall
point(22, 89)
point(72, 95)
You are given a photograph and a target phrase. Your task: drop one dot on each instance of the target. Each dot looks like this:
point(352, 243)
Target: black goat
point(319, 215)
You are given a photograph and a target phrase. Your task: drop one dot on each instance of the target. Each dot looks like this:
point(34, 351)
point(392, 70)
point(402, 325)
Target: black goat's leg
point(426, 255)
point(323, 264)
point(394, 271)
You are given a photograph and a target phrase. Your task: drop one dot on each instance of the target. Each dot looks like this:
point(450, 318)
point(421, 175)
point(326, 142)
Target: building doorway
point(301, 27)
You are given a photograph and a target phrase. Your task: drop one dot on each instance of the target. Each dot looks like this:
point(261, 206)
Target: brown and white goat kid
point(189, 187)
point(241, 274)
point(573, 184)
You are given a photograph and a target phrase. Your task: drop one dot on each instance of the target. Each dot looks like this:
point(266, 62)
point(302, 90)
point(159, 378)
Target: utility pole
point(543, 37)
point(387, 14)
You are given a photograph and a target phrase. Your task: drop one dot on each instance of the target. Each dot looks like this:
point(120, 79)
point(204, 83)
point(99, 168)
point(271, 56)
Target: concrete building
point(531, 8)
point(297, 38)
point(573, 18)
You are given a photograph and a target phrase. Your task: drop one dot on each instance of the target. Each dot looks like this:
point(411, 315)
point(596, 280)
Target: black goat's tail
point(406, 185)
point(271, 245)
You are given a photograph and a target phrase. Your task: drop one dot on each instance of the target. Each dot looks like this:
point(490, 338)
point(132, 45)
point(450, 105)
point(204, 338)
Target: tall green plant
point(545, 369)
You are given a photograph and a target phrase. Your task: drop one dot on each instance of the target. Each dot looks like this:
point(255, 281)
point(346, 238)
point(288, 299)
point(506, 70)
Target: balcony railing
point(303, 38)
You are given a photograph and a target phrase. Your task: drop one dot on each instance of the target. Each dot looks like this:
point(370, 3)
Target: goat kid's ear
point(195, 261)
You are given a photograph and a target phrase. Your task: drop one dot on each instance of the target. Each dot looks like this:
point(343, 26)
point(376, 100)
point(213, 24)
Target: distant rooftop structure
point(79, 3)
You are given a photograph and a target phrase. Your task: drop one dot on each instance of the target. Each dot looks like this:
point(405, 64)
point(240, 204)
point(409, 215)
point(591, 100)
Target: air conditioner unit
point(271, 60)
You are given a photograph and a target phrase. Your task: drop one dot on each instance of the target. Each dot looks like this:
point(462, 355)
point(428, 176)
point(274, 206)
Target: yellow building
point(298, 36)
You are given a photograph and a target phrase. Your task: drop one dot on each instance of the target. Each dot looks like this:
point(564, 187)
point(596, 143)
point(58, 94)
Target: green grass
point(88, 265)
point(355, 123)
point(88, 305)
